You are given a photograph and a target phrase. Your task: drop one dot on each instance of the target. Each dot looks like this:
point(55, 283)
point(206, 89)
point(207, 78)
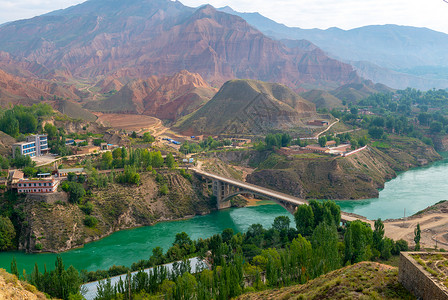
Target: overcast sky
point(345, 14)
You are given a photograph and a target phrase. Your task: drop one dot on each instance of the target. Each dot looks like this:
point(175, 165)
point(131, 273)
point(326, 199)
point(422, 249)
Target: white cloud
point(345, 14)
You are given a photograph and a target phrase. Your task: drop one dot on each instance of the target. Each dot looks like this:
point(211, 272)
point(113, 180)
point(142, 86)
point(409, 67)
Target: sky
point(345, 14)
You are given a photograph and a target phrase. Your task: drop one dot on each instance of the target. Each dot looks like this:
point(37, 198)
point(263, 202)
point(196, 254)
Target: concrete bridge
point(225, 188)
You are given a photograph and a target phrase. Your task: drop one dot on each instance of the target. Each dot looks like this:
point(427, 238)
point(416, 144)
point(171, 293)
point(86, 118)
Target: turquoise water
point(413, 190)
point(128, 246)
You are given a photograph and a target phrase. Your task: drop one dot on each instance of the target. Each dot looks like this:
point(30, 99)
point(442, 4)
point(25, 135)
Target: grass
point(367, 280)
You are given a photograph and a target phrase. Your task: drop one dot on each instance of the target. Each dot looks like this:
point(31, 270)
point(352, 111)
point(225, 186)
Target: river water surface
point(412, 190)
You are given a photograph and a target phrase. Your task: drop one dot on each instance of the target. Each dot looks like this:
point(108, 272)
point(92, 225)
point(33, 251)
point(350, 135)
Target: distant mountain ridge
point(390, 50)
point(141, 38)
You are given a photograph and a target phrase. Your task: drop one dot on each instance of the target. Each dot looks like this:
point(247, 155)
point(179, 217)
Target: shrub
point(90, 221)
point(38, 246)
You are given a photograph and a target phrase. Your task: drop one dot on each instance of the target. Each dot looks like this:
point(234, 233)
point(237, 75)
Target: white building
point(35, 145)
point(37, 186)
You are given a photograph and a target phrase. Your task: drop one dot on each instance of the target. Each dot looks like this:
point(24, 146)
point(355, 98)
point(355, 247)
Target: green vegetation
point(208, 144)
point(22, 119)
point(280, 254)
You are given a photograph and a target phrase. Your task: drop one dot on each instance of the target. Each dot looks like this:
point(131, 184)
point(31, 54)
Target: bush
point(87, 208)
point(90, 221)
point(38, 246)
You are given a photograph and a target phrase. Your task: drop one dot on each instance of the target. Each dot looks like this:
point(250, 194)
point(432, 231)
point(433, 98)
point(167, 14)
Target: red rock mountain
point(20, 90)
point(141, 38)
point(167, 97)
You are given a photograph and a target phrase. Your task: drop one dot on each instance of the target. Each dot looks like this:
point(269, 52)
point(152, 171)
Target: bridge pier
point(220, 191)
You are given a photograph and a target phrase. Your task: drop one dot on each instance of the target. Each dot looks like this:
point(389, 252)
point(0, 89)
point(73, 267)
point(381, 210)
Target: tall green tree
point(304, 218)
point(417, 236)
point(7, 233)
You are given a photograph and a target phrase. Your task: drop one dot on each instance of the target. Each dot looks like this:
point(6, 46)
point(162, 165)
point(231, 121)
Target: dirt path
point(328, 128)
point(432, 225)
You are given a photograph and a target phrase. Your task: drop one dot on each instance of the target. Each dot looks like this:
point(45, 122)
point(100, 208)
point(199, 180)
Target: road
point(269, 193)
point(328, 128)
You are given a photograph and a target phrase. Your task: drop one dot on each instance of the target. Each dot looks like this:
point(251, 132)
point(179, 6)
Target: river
point(414, 190)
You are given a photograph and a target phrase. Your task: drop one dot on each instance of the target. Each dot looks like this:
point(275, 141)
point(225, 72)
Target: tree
point(106, 160)
point(148, 138)
point(325, 249)
point(76, 191)
point(304, 218)
point(322, 141)
point(358, 241)
point(436, 127)
point(281, 223)
point(417, 235)
point(7, 233)
point(170, 162)
point(116, 153)
point(157, 159)
point(378, 234)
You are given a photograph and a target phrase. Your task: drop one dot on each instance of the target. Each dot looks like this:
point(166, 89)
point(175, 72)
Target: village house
point(318, 149)
point(318, 123)
point(64, 172)
point(37, 185)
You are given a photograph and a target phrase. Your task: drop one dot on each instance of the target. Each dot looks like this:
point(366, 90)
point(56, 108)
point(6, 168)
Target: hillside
point(389, 54)
point(74, 110)
point(354, 92)
point(116, 207)
point(248, 107)
point(166, 97)
point(21, 90)
point(142, 38)
point(13, 289)
point(318, 176)
point(322, 99)
point(365, 280)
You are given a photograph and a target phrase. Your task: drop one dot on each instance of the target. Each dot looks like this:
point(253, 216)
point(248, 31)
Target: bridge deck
point(268, 192)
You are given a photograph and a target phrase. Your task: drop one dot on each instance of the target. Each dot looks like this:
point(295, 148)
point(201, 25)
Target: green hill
point(365, 280)
point(322, 99)
point(354, 92)
point(248, 107)
point(75, 111)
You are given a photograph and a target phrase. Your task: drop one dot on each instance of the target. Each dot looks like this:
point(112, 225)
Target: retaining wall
point(418, 281)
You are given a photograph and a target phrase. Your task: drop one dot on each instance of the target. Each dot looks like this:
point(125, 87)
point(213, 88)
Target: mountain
point(402, 50)
point(322, 99)
point(142, 38)
point(248, 107)
point(20, 90)
point(167, 97)
point(354, 92)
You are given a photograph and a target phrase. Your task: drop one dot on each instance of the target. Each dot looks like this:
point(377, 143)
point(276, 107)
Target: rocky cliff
point(116, 207)
point(317, 176)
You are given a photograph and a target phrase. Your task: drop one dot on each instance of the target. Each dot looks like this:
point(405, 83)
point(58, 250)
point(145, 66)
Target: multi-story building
point(35, 145)
point(37, 186)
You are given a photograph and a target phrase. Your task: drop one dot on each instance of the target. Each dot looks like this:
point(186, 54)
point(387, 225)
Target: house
point(14, 177)
point(64, 172)
point(87, 150)
point(330, 143)
point(240, 142)
point(318, 149)
point(35, 145)
point(318, 123)
point(69, 142)
point(37, 186)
